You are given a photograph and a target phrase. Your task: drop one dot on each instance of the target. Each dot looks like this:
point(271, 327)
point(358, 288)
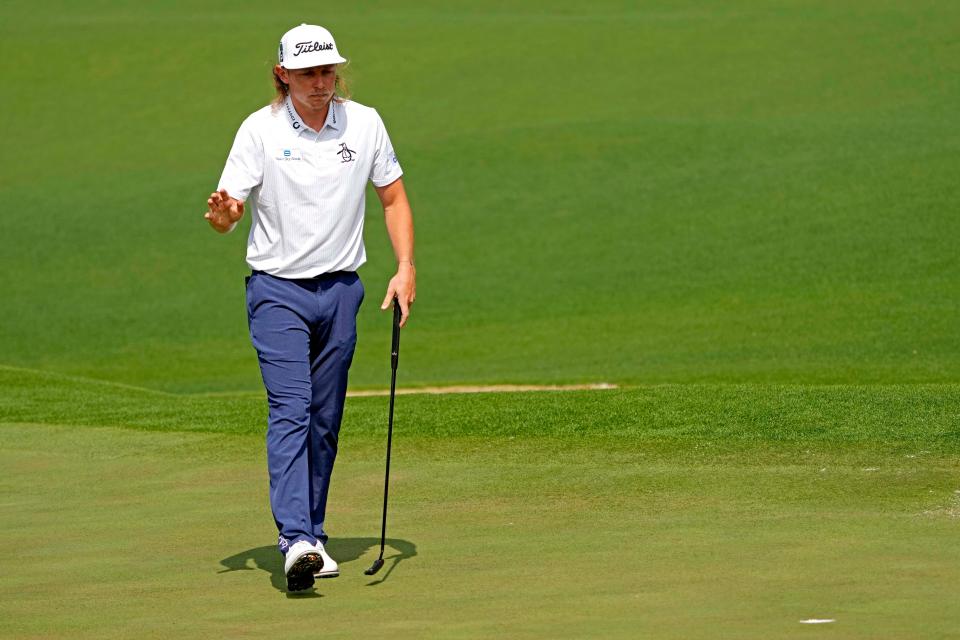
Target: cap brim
point(306, 63)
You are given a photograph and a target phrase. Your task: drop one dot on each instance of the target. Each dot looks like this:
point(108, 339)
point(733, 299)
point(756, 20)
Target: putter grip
point(395, 346)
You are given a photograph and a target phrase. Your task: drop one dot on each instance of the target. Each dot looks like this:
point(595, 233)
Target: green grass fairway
point(685, 512)
point(743, 213)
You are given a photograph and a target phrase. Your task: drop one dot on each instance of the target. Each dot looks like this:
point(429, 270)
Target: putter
point(394, 357)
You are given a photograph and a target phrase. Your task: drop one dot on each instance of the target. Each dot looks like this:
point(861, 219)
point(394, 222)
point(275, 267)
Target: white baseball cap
point(308, 46)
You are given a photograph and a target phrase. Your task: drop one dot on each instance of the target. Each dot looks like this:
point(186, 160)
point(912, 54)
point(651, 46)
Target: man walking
point(301, 165)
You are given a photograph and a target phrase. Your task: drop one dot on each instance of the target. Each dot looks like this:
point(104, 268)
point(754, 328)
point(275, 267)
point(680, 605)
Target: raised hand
point(223, 211)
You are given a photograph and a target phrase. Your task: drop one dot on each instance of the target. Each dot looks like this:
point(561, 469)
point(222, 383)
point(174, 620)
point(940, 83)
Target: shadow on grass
point(343, 550)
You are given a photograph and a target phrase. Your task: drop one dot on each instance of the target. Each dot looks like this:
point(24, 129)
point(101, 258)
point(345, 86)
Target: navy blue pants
point(304, 332)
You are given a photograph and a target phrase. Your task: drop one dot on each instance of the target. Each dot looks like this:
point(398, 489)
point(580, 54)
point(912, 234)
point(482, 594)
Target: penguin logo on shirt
point(346, 155)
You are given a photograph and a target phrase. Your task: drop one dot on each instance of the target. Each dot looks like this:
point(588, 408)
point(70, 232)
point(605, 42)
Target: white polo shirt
point(305, 189)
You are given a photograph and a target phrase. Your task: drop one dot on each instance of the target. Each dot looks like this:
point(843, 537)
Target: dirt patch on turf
point(491, 388)
point(951, 510)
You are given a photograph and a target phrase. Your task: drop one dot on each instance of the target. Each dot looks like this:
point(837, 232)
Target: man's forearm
point(399, 221)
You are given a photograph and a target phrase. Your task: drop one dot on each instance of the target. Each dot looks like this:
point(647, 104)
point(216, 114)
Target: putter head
point(376, 566)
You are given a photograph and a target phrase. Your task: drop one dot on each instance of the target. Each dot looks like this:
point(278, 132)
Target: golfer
point(300, 165)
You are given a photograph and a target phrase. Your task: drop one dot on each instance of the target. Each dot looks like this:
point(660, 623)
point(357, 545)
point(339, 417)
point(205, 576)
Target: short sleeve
point(244, 168)
point(386, 167)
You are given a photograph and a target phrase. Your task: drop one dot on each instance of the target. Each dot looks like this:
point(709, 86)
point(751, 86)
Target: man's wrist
point(405, 261)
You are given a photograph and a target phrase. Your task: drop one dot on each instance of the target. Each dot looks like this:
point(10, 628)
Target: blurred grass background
point(630, 192)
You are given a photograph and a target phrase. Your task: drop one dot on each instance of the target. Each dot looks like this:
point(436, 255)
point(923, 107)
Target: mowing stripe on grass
point(907, 418)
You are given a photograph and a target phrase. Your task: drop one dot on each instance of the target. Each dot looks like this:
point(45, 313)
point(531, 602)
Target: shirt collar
point(334, 116)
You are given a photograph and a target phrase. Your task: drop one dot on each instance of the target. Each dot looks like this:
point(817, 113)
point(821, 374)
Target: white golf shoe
point(301, 563)
point(330, 568)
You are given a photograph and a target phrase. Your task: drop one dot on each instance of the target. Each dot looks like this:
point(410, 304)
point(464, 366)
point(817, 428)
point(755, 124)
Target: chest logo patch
point(288, 154)
point(346, 155)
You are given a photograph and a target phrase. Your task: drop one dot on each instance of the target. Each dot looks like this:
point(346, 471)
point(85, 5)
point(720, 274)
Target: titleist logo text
point(309, 47)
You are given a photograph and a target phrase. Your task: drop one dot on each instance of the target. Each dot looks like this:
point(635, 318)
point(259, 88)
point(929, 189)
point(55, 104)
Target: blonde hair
point(341, 87)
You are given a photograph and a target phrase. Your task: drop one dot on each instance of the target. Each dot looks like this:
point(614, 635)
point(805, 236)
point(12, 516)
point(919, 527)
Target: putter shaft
point(394, 361)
